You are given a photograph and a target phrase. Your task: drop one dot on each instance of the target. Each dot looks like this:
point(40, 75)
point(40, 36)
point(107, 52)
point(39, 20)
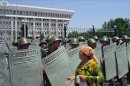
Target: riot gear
point(81, 38)
point(23, 41)
point(95, 37)
point(115, 38)
point(43, 42)
point(53, 39)
point(91, 41)
point(109, 38)
point(48, 38)
point(104, 38)
point(74, 41)
point(15, 42)
point(125, 37)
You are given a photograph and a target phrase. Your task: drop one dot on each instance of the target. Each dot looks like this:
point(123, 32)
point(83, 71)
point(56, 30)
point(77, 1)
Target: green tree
point(73, 34)
point(121, 23)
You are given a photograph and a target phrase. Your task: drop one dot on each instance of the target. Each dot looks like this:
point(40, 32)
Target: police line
point(25, 70)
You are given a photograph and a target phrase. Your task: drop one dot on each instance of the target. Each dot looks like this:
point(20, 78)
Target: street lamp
point(93, 29)
point(129, 28)
point(115, 30)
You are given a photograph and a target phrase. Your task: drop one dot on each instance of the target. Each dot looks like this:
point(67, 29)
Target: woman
point(88, 72)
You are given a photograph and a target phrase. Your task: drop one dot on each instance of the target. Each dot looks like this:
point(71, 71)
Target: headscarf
point(88, 51)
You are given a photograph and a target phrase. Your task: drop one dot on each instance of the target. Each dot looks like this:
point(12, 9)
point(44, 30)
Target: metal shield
point(110, 61)
point(128, 53)
point(57, 67)
point(74, 58)
point(25, 67)
point(122, 60)
point(4, 70)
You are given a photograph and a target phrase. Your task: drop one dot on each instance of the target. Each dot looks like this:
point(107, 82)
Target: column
point(49, 27)
point(12, 27)
point(15, 28)
point(42, 25)
point(34, 36)
point(63, 29)
point(57, 28)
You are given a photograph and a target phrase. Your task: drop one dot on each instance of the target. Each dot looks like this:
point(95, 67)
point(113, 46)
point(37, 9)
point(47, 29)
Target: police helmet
point(42, 42)
point(74, 41)
point(81, 38)
point(115, 38)
point(48, 38)
point(104, 38)
point(53, 39)
point(23, 41)
point(95, 37)
point(91, 41)
point(125, 37)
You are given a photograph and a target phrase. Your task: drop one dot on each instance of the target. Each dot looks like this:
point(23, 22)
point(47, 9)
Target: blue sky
point(87, 12)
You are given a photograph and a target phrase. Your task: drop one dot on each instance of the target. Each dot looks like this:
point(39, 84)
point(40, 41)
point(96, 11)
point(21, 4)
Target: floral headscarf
point(88, 51)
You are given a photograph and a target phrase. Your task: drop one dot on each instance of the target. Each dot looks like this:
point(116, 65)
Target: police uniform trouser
point(46, 81)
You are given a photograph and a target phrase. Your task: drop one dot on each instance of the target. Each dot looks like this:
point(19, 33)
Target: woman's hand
point(68, 80)
point(83, 78)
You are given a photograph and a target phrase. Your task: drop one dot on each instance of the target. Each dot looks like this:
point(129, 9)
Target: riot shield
point(74, 58)
point(98, 44)
point(82, 43)
point(128, 53)
point(57, 67)
point(122, 61)
point(4, 70)
point(98, 54)
point(110, 61)
point(25, 67)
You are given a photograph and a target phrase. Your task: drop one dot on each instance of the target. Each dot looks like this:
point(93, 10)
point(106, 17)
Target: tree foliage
point(123, 28)
point(121, 23)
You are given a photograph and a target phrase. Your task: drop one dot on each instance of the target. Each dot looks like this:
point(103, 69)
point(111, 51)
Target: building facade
point(14, 18)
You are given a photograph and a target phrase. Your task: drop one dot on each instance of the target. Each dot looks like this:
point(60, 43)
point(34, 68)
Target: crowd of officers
point(51, 43)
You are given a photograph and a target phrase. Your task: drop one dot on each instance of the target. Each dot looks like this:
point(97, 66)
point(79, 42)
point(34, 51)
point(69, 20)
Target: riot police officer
point(74, 43)
point(116, 40)
point(92, 43)
point(81, 39)
point(54, 43)
point(23, 43)
point(105, 41)
point(95, 38)
point(44, 48)
point(15, 42)
point(48, 38)
point(125, 39)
